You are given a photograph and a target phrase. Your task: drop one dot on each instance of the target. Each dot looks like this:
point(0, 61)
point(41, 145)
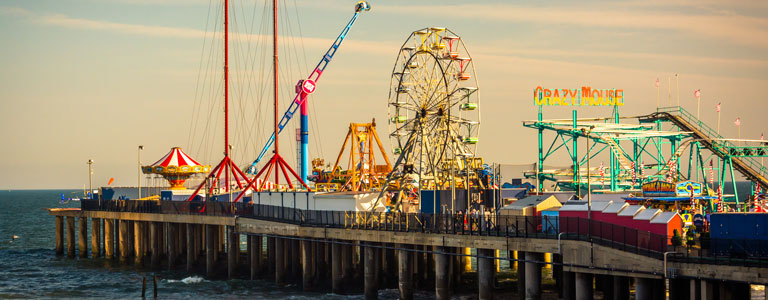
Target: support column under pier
point(442, 274)
point(190, 246)
point(643, 289)
point(295, 260)
point(347, 267)
point(735, 290)
point(109, 238)
point(279, 261)
point(584, 286)
point(308, 265)
point(337, 280)
point(569, 286)
point(521, 274)
point(233, 251)
point(620, 287)
point(210, 249)
point(255, 255)
point(485, 273)
point(707, 290)
point(71, 237)
point(533, 275)
point(59, 235)
point(124, 240)
point(154, 243)
point(95, 237)
point(173, 244)
point(138, 242)
point(679, 288)
point(405, 272)
point(371, 282)
point(82, 237)
point(271, 261)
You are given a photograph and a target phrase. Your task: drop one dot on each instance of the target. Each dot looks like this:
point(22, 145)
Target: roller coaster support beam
point(540, 163)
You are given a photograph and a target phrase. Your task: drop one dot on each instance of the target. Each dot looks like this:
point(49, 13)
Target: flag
point(718, 106)
point(657, 82)
point(697, 93)
point(711, 172)
point(737, 122)
point(634, 176)
point(720, 202)
point(757, 192)
point(602, 173)
point(642, 167)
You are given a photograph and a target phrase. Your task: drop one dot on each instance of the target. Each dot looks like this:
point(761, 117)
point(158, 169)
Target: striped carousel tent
point(176, 167)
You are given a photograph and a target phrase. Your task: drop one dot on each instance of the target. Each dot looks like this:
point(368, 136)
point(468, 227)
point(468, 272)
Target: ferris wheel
point(434, 113)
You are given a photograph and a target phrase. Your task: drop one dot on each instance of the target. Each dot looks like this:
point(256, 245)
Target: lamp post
point(586, 133)
point(90, 178)
point(141, 147)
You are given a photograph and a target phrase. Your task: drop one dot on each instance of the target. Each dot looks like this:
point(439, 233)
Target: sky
point(88, 79)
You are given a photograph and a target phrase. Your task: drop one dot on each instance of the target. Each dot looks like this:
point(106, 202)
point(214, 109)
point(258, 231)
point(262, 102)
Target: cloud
point(744, 30)
point(60, 20)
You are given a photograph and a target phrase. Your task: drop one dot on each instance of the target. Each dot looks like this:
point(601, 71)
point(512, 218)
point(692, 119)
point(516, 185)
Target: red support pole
point(274, 53)
point(226, 89)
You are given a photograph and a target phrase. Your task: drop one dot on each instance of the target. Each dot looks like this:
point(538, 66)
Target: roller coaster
point(641, 152)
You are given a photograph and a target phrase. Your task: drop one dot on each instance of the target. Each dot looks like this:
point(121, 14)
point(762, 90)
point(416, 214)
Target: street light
point(141, 147)
point(90, 178)
point(586, 133)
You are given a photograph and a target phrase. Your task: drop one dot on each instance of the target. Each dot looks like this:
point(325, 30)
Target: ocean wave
point(188, 280)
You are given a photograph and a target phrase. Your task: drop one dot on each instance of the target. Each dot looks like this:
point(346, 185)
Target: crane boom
point(307, 86)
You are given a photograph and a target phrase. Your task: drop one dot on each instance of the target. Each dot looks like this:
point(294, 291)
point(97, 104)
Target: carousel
point(176, 167)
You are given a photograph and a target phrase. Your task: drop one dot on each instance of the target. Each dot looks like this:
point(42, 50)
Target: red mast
point(275, 163)
point(226, 86)
point(274, 80)
point(226, 165)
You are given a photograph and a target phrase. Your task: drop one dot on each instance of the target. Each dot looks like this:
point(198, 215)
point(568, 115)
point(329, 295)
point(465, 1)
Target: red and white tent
point(176, 161)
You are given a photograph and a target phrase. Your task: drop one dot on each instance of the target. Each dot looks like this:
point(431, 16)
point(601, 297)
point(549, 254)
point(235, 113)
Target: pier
point(336, 251)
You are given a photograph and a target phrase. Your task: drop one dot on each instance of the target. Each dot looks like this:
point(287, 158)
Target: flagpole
point(669, 90)
point(718, 121)
point(677, 79)
point(698, 108)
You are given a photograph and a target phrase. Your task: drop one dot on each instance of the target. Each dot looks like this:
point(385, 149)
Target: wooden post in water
point(82, 237)
point(233, 251)
point(71, 237)
point(59, 235)
point(124, 240)
point(109, 235)
point(280, 261)
point(154, 243)
point(442, 274)
point(371, 284)
point(210, 249)
point(190, 246)
point(173, 241)
point(138, 237)
point(337, 281)
point(405, 272)
point(95, 237)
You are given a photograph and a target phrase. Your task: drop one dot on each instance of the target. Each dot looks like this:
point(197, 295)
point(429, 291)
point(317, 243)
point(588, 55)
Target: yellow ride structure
point(362, 173)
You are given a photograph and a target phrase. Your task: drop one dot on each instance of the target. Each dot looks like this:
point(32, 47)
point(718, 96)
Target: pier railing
point(741, 252)
point(546, 227)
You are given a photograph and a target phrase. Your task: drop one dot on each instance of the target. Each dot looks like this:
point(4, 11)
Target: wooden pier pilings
point(350, 260)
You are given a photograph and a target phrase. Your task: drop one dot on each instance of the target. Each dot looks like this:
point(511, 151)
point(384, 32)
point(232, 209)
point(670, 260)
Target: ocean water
point(30, 269)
